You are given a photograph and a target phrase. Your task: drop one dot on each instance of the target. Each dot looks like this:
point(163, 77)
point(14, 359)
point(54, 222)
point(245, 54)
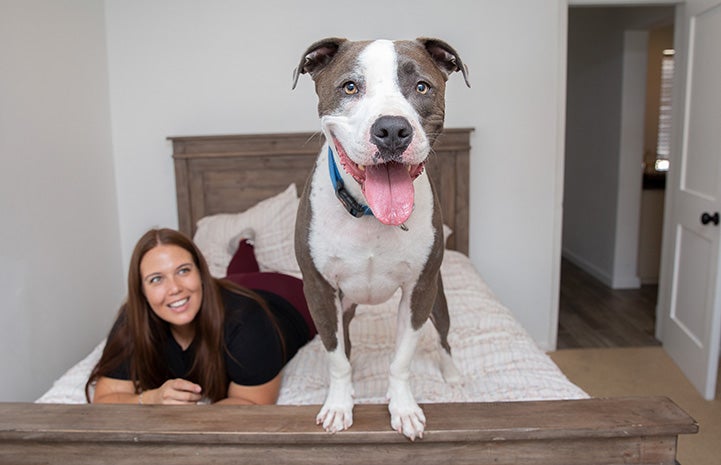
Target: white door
point(690, 296)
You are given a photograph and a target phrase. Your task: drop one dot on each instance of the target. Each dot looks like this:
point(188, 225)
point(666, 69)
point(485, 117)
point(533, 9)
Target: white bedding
point(498, 359)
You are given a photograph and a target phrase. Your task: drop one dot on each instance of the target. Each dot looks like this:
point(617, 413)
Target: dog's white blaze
point(385, 97)
point(376, 60)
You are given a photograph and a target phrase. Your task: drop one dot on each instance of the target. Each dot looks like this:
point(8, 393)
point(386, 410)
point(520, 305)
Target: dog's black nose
point(392, 135)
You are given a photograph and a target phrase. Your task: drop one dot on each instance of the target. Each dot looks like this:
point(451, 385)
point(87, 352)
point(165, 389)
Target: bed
point(513, 404)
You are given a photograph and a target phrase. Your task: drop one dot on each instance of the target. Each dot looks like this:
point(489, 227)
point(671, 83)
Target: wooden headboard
point(229, 174)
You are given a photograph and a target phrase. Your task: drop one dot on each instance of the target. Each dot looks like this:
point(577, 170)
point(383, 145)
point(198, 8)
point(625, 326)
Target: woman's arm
point(120, 391)
point(264, 394)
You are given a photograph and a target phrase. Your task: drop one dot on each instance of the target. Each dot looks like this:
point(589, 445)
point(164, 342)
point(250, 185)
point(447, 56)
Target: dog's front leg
point(406, 416)
point(337, 411)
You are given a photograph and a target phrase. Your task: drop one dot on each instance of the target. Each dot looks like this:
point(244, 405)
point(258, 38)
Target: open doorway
point(613, 189)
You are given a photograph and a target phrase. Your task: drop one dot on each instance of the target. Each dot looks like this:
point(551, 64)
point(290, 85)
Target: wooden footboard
point(594, 431)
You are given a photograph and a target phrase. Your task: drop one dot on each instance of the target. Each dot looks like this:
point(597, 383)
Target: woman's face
point(171, 284)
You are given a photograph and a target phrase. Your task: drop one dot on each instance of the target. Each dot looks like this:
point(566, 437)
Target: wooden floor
point(594, 315)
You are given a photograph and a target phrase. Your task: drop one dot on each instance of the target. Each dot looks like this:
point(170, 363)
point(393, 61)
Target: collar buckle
point(350, 204)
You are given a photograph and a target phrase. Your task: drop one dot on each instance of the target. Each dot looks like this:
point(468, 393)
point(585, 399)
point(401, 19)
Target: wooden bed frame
point(217, 174)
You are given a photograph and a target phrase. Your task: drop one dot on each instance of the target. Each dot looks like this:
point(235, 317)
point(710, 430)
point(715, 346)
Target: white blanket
point(498, 359)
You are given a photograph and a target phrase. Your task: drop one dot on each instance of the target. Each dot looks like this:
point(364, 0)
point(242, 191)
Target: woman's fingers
point(180, 391)
point(180, 384)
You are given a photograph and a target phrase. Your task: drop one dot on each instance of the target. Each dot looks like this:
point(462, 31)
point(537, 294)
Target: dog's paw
point(335, 418)
point(406, 416)
point(337, 411)
point(409, 421)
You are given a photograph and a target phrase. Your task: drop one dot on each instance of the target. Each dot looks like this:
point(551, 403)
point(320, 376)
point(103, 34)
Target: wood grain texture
point(593, 431)
point(229, 174)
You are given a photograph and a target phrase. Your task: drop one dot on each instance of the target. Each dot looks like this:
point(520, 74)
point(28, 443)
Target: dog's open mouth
point(388, 187)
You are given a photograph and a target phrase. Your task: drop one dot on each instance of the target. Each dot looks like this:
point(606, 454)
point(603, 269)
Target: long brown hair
point(139, 334)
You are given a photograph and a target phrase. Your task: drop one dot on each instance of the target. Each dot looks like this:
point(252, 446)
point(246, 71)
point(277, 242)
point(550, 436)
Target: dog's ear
point(317, 56)
point(445, 57)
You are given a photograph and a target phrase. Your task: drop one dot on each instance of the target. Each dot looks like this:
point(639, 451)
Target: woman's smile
point(179, 305)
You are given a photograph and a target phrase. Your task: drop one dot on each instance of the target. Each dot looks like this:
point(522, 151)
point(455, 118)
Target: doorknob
point(706, 218)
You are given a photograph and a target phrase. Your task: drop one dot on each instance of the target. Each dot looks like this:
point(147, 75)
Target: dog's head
point(382, 105)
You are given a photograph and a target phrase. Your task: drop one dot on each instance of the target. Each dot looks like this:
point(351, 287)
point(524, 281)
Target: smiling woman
point(183, 336)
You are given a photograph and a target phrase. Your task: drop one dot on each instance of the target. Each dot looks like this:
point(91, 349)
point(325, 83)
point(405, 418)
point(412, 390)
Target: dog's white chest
point(363, 258)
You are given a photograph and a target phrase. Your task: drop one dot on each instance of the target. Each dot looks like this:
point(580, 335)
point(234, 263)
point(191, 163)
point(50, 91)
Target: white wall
point(189, 68)
point(60, 261)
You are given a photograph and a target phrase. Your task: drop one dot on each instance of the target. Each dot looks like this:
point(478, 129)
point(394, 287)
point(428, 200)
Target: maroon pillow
point(243, 260)
point(243, 270)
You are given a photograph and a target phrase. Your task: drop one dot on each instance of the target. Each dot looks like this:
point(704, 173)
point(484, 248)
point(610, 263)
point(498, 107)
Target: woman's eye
point(184, 270)
point(350, 88)
point(423, 87)
point(154, 280)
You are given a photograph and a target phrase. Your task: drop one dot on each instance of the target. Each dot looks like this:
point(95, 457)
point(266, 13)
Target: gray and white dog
point(369, 221)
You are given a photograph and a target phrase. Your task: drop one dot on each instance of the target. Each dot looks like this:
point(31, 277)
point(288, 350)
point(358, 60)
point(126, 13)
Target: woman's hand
point(172, 392)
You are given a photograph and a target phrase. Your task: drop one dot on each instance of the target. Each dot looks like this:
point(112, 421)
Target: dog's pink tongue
point(388, 188)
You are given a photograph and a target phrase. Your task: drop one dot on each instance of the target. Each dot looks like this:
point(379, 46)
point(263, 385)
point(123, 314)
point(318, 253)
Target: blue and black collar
point(353, 207)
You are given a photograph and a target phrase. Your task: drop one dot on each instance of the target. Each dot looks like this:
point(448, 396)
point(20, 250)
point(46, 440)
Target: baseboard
point(649, 280)
point(625, 282)
point(628, 282)
point(588, 267)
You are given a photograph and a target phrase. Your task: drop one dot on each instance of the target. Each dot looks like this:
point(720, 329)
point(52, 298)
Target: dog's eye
point(423, 87)
point(350, 88)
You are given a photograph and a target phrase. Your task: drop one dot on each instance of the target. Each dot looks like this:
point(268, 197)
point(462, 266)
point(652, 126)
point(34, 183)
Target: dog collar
point(349, 203)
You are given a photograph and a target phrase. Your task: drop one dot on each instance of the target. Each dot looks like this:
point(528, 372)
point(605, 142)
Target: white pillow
point(270, 224)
